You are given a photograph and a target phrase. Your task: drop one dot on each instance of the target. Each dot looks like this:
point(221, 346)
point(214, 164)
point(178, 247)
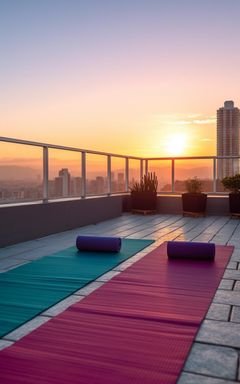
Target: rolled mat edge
point(190, 250)
point(98, 243)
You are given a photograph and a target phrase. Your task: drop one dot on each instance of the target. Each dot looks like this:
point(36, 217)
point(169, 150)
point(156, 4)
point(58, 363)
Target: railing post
point(141, 169)
point(109, 175)
point(214, 174)
point(45, 174)
point(146, 167)
point(126, 174)
point(173, 175)
point(83, 194)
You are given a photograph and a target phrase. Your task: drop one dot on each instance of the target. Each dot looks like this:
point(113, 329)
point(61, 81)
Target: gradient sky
point(140, 77)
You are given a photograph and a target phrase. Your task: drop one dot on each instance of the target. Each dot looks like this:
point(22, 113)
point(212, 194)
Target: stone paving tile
point(237, 286)
point(121, 267)
point(219, 333)
point(232, 265)
point(226, 284)
point(16, 249)
point(108, 276)
point(232, 274)
point(218, 312)
point(227, 297)
point(137, 257)
point(190, 378)
point(5, 344)
point(236, 257)
point(26, 328)
point(235, 315)
point(208, 360)
point(33, 254)
point(151, 247)
point(10, 263)
point(62, 306)
point(89, 288)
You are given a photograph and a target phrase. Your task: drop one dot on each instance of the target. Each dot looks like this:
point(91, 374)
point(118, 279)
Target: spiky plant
point(148, 183)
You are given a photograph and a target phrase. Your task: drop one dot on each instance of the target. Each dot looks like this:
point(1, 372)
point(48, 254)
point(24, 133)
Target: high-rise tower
point(62, 183)
point(228, 125)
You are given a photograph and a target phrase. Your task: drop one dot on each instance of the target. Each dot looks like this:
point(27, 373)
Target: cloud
point(180, 122)
point(194, 116)
point(204, 121)
point(206, 139)
point(191, 119)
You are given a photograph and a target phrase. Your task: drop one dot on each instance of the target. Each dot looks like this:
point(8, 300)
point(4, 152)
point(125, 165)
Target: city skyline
point(136, 77)
point(65, 185)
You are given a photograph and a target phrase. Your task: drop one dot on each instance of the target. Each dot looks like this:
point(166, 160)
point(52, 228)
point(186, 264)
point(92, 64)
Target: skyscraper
point(228, 126)
point(62, 183)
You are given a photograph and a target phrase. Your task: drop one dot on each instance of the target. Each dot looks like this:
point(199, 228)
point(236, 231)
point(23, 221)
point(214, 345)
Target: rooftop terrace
point(214, 357)
point(37, 225)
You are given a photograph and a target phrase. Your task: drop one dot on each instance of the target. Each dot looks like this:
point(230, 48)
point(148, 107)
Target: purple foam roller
point(98, 244)
point(190, 250)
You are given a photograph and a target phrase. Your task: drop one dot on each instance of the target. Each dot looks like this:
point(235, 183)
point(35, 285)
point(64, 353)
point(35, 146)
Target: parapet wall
point(24, 222)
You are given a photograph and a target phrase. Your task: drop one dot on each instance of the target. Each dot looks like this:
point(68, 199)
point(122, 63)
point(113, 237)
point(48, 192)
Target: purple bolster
point(188, 250)
point(101, 244)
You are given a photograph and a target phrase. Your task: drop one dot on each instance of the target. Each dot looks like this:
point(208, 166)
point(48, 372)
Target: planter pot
point(194, 202)
point(144, 200)
point(234, 203)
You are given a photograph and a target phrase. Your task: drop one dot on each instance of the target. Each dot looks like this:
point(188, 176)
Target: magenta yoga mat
point(137, 328)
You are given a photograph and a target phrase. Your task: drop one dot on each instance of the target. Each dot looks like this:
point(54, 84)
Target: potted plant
point(194, 201)
point(144, 193)
point(232, 183)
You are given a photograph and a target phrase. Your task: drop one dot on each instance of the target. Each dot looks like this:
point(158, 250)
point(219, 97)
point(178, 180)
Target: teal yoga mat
point(30, 289)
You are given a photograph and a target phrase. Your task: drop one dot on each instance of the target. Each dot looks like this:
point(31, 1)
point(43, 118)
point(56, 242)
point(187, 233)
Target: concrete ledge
point(172, 204)
point(27, 222)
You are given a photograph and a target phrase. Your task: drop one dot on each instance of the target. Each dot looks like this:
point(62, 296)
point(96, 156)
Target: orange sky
point(140, 78)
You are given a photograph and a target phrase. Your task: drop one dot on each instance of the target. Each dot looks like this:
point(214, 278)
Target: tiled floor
point(214, 357)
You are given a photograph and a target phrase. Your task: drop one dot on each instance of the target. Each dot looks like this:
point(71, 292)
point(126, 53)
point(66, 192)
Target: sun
point(176, 144)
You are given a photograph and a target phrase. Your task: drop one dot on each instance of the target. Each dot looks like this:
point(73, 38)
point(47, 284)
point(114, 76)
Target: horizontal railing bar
point(74, 149)
point(178, 193)
point(192, 158)
point(62, 147)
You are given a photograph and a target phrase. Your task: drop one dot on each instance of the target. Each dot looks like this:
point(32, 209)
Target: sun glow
point(176, 144)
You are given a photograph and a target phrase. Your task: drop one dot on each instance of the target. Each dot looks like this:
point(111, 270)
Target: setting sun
point(176, 144)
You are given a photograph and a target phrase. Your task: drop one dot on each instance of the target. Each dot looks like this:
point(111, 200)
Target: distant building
point(76, 186)
point(228, 126)
point(62, 183)
point(99, 184)
point(120, 181)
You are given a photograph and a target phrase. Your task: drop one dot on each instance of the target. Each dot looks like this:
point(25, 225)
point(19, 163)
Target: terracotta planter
point(194, 202)
point(144, 200)
point(234, 202)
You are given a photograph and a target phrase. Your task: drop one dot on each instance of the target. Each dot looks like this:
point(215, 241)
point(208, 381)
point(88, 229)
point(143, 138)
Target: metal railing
point(83, 152)
point(143, 167)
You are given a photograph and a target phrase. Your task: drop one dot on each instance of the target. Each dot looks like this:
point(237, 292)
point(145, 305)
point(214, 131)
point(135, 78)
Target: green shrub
point(232, 183)
point(193, 185)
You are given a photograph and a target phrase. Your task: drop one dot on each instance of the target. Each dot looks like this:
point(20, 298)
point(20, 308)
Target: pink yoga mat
point(137, 328)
